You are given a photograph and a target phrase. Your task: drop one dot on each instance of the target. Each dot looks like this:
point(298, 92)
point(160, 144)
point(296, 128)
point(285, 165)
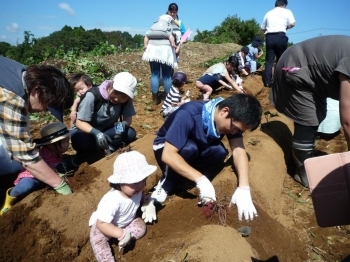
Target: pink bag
point(329, 182)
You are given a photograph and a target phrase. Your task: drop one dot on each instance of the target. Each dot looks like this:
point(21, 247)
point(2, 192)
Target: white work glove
point(149, 211)
point(206, 190)
point(239, 80)
point(243, 200)
point(125, 239)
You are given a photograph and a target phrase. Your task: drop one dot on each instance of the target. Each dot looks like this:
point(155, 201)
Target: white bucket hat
point(130, 167)
point(126, 83)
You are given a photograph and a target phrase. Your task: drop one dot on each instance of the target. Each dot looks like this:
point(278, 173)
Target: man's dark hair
point(281, 3)
point(53, 87)
point(243, 108)
point(81, 77)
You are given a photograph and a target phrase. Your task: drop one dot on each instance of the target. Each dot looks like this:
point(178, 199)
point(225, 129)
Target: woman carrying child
point(162, 56)
point(104, 118)
point(115, 216)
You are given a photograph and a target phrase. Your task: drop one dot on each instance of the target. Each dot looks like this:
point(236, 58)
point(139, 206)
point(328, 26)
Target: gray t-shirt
point(107, 115)
point(301, 94)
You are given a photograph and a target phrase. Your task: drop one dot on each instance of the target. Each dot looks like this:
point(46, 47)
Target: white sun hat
point(130, 167)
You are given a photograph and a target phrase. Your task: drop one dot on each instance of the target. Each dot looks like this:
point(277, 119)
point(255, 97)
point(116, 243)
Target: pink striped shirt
point(48, 157)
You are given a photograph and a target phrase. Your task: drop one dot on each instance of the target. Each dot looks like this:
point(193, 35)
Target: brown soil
point(46, 226)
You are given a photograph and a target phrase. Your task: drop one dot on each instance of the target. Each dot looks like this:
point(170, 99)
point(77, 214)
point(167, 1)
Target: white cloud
point(67, 8)
point(13, 28)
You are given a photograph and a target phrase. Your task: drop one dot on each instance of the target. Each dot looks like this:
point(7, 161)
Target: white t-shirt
point(116, 209)
point(277, 20)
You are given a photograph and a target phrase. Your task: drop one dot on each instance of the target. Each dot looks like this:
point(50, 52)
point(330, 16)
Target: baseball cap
point(181, 76)
point(130, 167)
point(126, 83)
point(245, 49)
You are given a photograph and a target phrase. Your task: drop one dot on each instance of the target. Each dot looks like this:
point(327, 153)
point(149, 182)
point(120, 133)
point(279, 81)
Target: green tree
point(231, 30)
point(4, 47)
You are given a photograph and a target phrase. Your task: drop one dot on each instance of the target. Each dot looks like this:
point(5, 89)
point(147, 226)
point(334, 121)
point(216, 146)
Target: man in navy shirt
point(190, 140)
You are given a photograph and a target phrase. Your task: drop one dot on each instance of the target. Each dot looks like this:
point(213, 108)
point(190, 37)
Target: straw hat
point(130, 167)
point(52, 133)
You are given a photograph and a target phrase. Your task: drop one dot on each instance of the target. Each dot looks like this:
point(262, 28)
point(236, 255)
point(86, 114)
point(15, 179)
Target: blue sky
point(42, 17)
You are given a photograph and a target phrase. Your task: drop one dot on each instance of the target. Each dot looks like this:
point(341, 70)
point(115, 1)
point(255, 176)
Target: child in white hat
point(115, 214)
point(53, 143)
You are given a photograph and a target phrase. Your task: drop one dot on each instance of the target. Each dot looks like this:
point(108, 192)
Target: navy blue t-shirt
point(186, 123)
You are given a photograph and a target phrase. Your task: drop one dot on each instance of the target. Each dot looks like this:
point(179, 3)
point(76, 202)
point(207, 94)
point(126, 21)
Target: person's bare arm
point(74, 109)
point(240, 161)
point(344, 106)
point(109, 229)
point(231, 81)
point(44, 173)
point(291, 25)
point(75, 104)
point(83, 126)
point(172, 158)
point(128, 120)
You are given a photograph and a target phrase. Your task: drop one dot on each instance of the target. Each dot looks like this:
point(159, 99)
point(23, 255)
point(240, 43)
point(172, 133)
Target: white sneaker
point(159, 194)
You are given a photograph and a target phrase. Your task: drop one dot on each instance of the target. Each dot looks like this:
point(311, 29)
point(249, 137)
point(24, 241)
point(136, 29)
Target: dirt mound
point(46, 226)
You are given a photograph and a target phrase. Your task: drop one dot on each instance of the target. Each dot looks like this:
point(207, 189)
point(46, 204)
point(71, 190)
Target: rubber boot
point(302, 150)
point(9, 202)
point(155, 99)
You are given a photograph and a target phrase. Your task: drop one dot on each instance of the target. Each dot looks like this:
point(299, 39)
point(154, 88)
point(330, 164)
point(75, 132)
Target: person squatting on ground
point(104, 118)
point(174, 98)
point(254, 54)
point(275, 24)
point(81, 84)
point(162, 57)
point(24, 91)
point(242, 68)
point(230, 75)
point(306, 74)
point(209, 82)
point(189, 144)
point(53, 143)
point(115, 216)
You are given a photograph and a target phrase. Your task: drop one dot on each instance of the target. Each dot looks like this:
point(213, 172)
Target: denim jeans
point(155, 76)
point(26, 186)
point(85, 143)
point(203, 161)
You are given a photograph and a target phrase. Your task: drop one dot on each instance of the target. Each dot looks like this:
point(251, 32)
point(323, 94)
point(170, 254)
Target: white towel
point(331, 123)
point(164, 54)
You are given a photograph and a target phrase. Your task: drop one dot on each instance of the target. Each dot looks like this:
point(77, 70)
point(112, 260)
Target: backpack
point(99, 100)
point(165, 23)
